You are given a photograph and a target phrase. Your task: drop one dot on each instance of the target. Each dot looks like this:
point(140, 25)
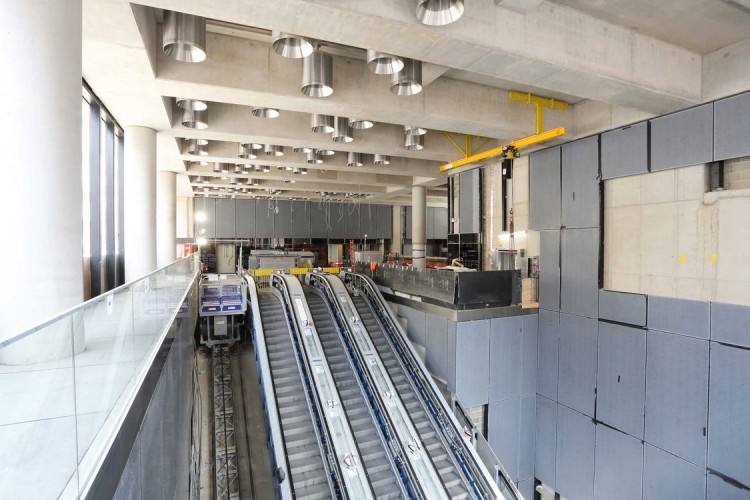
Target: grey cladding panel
point(730, 324)
point(336, 214)
point(718, 489)
point(546, 440)
point(686, 317)
point(729, 432)
point(577, 372)
point(619, 465)
point(282, 225)
point(470, 211)
point(351, 221)
point(677, 394)
point(625, 151)
point(549, 270)
point(264, 215)
point(732, 127)
point(667, 476)
point(503, 433)
point(430, 223)
point(529, 346)
point(527, 429)
point(683, 138)
point(301, 219)
point(318, 215)
point(368, 221)
point(436, 340)
point(207, 227)
point(385, 222)
point(505, 358)
point(621, 307)
point(408, 222)
point(225, 218)
point(548, 352)
point(575, 454)
point(580, 183)
point(621, 378)
point(440, 216)
point(544, 189)
point(473, 362)
point(579, 272)
point(245, 218)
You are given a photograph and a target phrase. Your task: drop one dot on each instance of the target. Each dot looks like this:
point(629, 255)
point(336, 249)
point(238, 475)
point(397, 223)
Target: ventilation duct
point(382, 160)
point(273, 150)
point(412, 130)
point(360, 124)
point(408, 81)
point(195, 119)
point(383, 64)
point(321, 123)
point(193, 104)
point(291, 46)
point(414, 142)
point(265, 112)
point(342, 132)
point(439, 12)
point(313, 157)
point(317, 75)
point(184, 37)
point(354, 159)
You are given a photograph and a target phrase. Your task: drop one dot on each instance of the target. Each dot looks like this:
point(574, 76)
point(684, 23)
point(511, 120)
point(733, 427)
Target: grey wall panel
point(440, 220)
point(686, 317)
point(282, 221)
point(548, 350)
point(731, 127)
point(385, 222)
point(580, 183)
point(619, 465)
point(368, 221)
point(451, 356)
point(351, 222)
point(336, 224)
point(526, 488)
point(245, 218)
point(207, 227)
point(729, 432)
point(415, 324)
point(544, 189)
point(473, 362)
point(529, 349)
point(579, 272)
point(527, 431)
point(667, 476)
point(730, 324)
point(264, 215)
point(677, 394)
point(503, 433)
point(577, 373)
point(225, 213)
point(627, 308)
point(318, 222)
point(546, 440)
point(625, 151)
point(505, 358)
point(719, 489)
point(574, 477)
point(549, 270)
point(683, 138)
point(301, 219)
point(408, 224)
point(436, 339)
point(621, 378)
point(430, 223)
point(470, 211)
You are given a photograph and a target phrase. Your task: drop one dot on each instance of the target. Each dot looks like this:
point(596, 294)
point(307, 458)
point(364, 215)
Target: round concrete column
point(418, 231)
point(140, 202)
point(41, 205)
point(166, 218)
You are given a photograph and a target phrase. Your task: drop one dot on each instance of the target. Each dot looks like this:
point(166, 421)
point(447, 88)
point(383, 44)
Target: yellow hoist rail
point(263, 276)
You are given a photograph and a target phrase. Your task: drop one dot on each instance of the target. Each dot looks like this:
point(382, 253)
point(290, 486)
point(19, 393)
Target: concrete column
point(140, 202)
point(166, 218)
point(41, 205)
point(418, 226)
point(397, 229)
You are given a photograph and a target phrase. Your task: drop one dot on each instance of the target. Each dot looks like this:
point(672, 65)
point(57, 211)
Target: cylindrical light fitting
point(321, 123)
point(292, 46)
point(193, 104)
point(245, 152)
point(383, 64)
point(408, 81)
point(233, 181)
point(195, 119)
point(382, 159)
point(342, 132)
point(303, 171)
point(354, 159)
point(273, 150)
point(198, 179)
point(224, 168)
point(325, 152)
point(301, 149)
point(217, 167)
point(266, 169)
point(254, 146)
point(360, 124)
point(317, 74)
point(296, 171)
point(414, 130)
point(265, 112)
point(238, 169)
point(414, 142)
point(313, 157)
point(196, 148)
point(258, 168)
point(439, 12)
point(184, 37)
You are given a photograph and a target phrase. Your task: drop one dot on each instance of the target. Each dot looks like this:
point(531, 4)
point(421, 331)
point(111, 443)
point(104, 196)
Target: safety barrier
point(263, 276)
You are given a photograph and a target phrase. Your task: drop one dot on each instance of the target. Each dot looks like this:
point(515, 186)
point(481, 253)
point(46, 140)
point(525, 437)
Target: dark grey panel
point(549, 270)
point(677, 394)
point(415, 324)
point(529, 341)
point(625, 151)
point(282, 222)
point(264, 215)
point(579, 272)
point(408, 224)
point(440, 219)
point(683, 138)
point(206, 228)
point(575, 454)
point(301, 219)
point(547, 362)
point(546, 440)
point(718, 489)
point(544, 189)
point(470, 212)
point(430, 223)
point(621, 378)
point(580, 183)
point(527, 430)
point(619, 465)
point(730, 324)
point(627, 308)
point(731, 127)
point(436, 338)
point(505, 358)
point(318, 220)
point(667, 476)
point(473, 362)
point(503, 433)
point(686, 317)
point(244, 214)
point(336, 224)
point(729, 432)
point(225, 218)
point(351, 222)
point(368, 221)
point(577, 373)
point(385, 222)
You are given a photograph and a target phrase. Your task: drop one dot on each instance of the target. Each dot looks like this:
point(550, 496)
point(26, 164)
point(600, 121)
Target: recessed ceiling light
point(184, 36)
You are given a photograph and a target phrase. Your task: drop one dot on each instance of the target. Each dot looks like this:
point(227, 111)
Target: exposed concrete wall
point(591, 117)
point(726, 71)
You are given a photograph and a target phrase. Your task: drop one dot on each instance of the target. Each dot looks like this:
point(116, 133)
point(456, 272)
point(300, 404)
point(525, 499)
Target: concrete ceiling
point(627, 54)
